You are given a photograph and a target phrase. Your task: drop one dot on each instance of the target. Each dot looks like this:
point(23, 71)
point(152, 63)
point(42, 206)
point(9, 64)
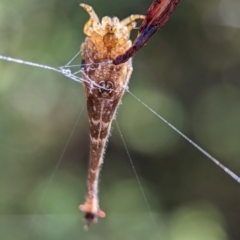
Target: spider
point(104, 85)
point(107, 66)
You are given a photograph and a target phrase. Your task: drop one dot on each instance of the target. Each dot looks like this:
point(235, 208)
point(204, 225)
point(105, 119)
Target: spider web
point(72, 71)
point(66, 70)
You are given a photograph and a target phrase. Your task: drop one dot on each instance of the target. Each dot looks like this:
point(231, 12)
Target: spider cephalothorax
point(104, 85)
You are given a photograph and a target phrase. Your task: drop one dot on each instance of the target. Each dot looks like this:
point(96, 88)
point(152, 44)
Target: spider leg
point(93, 27)
point(131, 26)
point(130, 19)
point(90, 11)
point(124, 35)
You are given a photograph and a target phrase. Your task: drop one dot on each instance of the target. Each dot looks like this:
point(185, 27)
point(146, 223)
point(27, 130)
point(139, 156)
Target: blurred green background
point(189, 72)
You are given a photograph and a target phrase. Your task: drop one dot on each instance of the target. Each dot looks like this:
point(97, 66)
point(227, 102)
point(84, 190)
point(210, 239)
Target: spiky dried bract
point(104, 85)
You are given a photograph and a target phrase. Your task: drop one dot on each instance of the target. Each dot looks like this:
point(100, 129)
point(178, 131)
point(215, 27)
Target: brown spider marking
point(104, 85)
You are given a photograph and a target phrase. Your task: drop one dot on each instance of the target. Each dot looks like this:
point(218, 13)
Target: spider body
point(104, 85)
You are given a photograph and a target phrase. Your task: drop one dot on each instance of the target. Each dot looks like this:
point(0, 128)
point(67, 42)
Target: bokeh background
point(189, 73)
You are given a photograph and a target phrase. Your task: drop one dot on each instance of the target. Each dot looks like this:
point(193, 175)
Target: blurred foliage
point(189, 73)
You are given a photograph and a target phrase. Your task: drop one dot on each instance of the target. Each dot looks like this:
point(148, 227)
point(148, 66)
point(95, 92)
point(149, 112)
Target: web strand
point(224, 168)
point(137, 177)
point(62, 154)
point(64, 70)
point(58, 164)
point(19, 61)
point(67, 65)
